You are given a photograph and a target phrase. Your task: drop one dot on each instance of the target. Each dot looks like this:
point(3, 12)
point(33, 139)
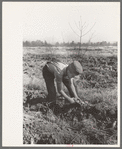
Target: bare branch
point(83, 25)
point(92, 36)
point(73, 30)
point(77, 26)
point(89, 30)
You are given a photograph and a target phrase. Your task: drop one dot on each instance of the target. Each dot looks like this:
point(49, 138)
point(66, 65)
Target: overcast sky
point(55, 21)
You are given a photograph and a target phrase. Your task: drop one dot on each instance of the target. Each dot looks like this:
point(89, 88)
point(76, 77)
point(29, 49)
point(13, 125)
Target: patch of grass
point(95, 96)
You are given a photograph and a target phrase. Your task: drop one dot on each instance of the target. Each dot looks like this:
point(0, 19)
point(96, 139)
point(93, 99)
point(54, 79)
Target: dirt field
point(98, 86)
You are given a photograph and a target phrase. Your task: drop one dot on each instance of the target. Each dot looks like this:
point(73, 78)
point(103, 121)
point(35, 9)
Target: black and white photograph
point(70, 74)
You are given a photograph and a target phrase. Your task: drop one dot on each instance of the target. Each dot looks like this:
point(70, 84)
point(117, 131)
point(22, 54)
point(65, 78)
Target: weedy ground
point(97, 86)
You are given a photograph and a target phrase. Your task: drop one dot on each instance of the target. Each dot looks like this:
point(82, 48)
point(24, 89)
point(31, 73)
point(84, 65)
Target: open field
point(98, 86)
point(106, 50)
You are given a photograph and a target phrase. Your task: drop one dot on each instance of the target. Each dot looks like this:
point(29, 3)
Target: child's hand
point(78, 100)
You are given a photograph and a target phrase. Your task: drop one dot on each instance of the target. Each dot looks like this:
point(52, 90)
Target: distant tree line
point(39, 43)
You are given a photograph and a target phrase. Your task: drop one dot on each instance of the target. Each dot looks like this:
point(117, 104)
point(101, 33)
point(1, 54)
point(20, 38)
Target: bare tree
point(82, 27)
